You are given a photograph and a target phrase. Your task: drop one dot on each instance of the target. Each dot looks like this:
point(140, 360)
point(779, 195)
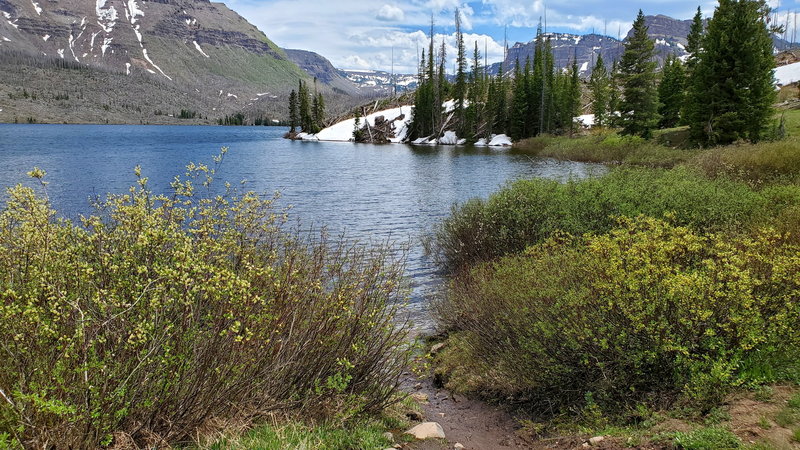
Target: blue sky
point(360, 34)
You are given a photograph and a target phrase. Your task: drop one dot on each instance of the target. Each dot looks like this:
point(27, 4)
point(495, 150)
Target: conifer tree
point(460, 86)
point(637, 70)
point(573, 94)
point(614, 100)
point(293, 111)
point(306, 123)
point(695, 41)
point(671, 92)
point(732, 90)
point(519, 105)
point(599, 84)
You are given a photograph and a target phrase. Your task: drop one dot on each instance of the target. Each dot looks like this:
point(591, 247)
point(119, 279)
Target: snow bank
point(500, 140)
point(585, 120)
point(787, 74)
point(343, 131)
point(449, 138)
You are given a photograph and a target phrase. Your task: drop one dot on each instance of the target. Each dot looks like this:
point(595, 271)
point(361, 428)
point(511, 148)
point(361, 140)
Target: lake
point(371, 192)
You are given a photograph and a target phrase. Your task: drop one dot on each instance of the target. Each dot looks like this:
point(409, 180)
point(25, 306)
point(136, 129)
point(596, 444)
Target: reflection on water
point(373, 193)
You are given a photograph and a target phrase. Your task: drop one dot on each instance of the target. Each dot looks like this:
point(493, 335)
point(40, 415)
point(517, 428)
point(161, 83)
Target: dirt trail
point(475, 424)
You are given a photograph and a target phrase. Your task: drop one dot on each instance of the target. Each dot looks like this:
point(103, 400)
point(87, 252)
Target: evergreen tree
point(637, 70)
point(293, 111)
point(319, 112)
point(573, 95)
point(671, 92)
point(614, 100)
point(600, 86)
point(695, 41)
point(519, 105)
point(306, 122)
point(460, 86)
point(732, 90)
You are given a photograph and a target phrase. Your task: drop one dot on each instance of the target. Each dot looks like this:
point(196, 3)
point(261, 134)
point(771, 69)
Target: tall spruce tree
point(694, 41)
point(599, 85)
point(671, 92)
point(306, 122)
point(614, 96)
point(293, 111)
point(639, 107)
point(460, 86)
point(573, 94)
point(732, 90)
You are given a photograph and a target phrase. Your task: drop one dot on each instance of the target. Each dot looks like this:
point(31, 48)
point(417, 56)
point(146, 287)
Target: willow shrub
point(529, 211)
point(647, 312)
point(162, 314)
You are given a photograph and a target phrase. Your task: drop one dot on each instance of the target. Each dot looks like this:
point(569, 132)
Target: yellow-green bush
point(529, 211)
point(646, 312)
point(163, 313)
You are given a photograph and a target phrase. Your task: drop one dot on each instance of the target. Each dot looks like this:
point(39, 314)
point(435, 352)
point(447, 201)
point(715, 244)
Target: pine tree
point(573, 93)
point(671, 92)
point(695, 40)
point(614, 100)
point(306, 123)
point(637, 70)
point(599, 84)
point(460, 86)
point(293, 111)
point(732, 90)
point(518, 109)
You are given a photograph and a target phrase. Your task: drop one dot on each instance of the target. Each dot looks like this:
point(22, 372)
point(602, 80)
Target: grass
point(761, 161)
point(295, 435)
point(710, 438)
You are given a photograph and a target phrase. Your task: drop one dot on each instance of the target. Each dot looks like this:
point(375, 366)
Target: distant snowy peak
point(382, 82)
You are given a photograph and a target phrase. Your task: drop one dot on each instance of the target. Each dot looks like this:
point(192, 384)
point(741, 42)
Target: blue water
point(372, 193)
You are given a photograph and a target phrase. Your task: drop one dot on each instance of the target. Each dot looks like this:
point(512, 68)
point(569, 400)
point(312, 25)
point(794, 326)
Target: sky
point(371, 34)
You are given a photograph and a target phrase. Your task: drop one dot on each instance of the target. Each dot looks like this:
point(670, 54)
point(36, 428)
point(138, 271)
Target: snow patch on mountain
point(197, 46)
point(134, 11)
point(147, 57)
point(37, 7)
point(106, 17)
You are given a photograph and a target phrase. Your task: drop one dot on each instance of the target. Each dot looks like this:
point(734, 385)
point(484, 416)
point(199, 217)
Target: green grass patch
point(297, 436)
point(711, 438)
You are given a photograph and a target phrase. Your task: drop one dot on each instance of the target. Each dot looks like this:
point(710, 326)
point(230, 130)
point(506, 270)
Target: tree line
point(535, 98)
point(306, 109)
point(723, 89)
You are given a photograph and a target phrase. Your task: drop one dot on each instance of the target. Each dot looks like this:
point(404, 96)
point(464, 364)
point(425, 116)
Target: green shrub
point(529, 211)
point(650, 312)
point(755, 162)
point(713, 438)
point(164, 312)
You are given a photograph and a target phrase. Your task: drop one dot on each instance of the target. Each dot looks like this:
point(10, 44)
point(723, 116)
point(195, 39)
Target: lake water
point(370, 192)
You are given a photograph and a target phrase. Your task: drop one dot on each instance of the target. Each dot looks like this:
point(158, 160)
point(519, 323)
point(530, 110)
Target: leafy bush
point(164, 313)
point(648, 312)
point(529, 211)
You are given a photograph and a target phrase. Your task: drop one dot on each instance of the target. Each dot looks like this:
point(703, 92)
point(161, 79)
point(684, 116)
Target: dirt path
point(474, 424)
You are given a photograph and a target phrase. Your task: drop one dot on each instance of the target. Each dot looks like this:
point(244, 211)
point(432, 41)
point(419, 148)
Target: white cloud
point(390, 13)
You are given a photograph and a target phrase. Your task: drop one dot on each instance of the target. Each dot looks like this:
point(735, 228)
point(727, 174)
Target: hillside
point(137, 61)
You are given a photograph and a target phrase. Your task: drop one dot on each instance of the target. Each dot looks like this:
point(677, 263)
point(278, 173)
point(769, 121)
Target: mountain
point(382, 82)
point(669, 35)
point(139, 61)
